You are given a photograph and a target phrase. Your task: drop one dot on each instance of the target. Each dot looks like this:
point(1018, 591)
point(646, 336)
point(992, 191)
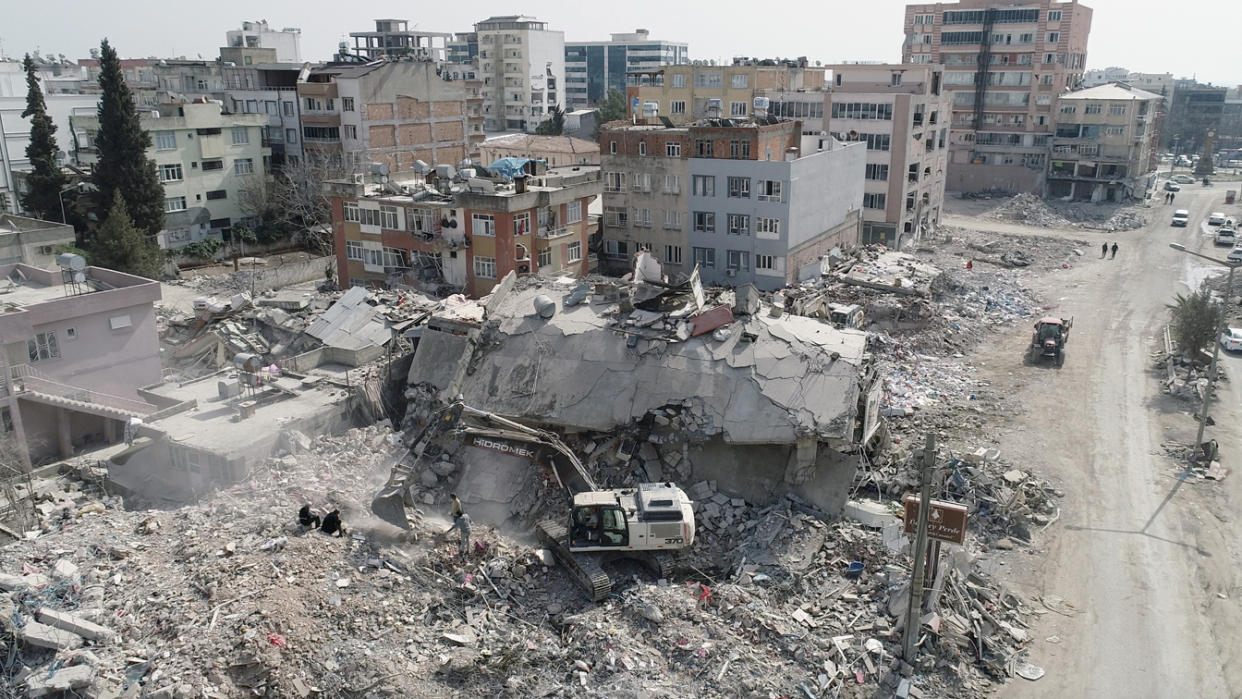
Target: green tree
point(122, 145)
point(1195, 319)
point(45, 178)
point(121, 245)
point(554, 125)
point(613, 107)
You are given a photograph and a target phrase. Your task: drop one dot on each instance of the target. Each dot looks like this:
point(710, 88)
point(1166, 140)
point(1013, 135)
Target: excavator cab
point(597, 521)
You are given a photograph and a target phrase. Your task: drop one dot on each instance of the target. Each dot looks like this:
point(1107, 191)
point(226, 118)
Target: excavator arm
point(454, 423)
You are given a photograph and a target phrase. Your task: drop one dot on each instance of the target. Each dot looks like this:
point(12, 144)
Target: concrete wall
point(758, 473)
point(276, 275)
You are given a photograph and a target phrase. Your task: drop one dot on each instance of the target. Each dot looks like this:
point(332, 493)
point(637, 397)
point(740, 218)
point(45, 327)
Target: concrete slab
point(42, 683)
point(77, 625)
point(43, 636)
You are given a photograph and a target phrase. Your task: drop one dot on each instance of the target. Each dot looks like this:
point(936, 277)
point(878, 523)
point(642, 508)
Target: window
point(1026, 38)
point(614, 181)
point(521, 223)
point(677, 106)
point(770, 190)
point(708, 78)
point(739, 150)
point(43, 347)
point(876, 171)
point(291, 135)
point(672, 254)
point(704, 185)
point(485, 267)
point(862, 110)
point(1054, 16)
point(672, 149)
point(217, 194)
point(703, 148)
point(1094, 108)
point(165, 140)
point(209, 165)
point(737, 109)
point(545, 257)
point(704, 222)
point(739, 224)
point(241, 135)
point(243, 166)
point(739, 187)
point(895, 79)
point(1115, 131)
point(172, 204)
point(738, 81)
point(642, 217)
point(672, 184)
point(1054, 37)
point(288, 109)
point(642, 183)
point(876, 141)
point(612, 147)
point(874, 201)
point(351, 131)
point(738, 260)
point(765, 262)
point(1045, 79)
point(672, 219)
point(483, 224)
point(1116, 109)
point(642, 147)
point(616, 216)
point(679, 80)
point(347, 104)
point(351, 212)
point(388, 217)
point(170, 173)
point(573, 212)
point(704, 257)
point(71, 334)
point(1050, 58)
point(353, 250)
point(574, 252)
point(768, 227)
point(1068, 109)
point(616, 249)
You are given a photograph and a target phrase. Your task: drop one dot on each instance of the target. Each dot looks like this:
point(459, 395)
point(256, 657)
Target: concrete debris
point(1030, 210)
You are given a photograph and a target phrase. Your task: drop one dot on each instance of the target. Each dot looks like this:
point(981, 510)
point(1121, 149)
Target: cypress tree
point(119, 244)
point(122, 145)
point(45, 179)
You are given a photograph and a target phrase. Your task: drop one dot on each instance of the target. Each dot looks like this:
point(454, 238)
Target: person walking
point(1114, 251)
point(1172, 196)
point(1103, 251)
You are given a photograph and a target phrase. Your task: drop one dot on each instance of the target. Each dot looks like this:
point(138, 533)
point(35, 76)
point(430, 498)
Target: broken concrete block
point(76, 624)
point(868, 513)
point(65, 569)
point(545, 557)
point(428, 478)
point(11, 583)
point(700, 491)
point(444, 468)
point(42, 636)
point(45, 682)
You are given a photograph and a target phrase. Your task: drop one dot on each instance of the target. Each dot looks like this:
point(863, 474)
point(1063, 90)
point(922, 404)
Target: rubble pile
point(1184, 378)
point(1031, 210)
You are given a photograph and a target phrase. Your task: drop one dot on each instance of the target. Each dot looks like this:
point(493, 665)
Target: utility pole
point(914, 609)
point(1220, 329)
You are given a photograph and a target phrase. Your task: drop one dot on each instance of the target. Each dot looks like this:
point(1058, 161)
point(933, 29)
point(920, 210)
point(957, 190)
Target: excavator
point(646, 523)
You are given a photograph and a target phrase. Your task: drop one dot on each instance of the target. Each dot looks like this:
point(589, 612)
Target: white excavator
point(644, 523)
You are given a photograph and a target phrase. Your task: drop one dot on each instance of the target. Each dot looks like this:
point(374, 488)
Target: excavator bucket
point(389, 505)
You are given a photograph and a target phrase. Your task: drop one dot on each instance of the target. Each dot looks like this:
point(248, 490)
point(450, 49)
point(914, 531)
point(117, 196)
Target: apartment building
point(207, 159)
point(1005, 64)
point(522, 63)
point(79, 343)
point(902, 113)
point(15, 138)
point(432, 231)
point(286, 43)
point(1194, 110)
point(1103, 145)
point(463, 47)
point(747, 201)
point(688, 93)
point(393, 38)
point(592, 68)
point(384, 114)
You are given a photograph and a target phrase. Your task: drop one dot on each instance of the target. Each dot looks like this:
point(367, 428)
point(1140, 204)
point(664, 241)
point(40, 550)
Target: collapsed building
point(700, 386)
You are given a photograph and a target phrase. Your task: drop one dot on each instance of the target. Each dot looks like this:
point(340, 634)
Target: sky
point(1195, 39)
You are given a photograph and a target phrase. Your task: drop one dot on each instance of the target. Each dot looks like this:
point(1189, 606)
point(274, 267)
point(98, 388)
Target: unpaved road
point(1147, 566)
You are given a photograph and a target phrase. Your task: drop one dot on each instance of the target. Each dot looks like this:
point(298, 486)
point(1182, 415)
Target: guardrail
point(26, 378)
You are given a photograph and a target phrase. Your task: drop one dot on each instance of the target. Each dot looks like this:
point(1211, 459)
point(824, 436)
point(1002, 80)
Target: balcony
point(554, 233)
point(29, 381)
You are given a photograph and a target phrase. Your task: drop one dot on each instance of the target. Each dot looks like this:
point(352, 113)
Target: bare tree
point(302, 203)
point(15, 471)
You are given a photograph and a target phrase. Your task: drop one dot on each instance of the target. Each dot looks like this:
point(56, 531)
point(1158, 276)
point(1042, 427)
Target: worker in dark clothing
point(1114, 251)
point(1104, 251)
point(306, 518)
point(332, 524)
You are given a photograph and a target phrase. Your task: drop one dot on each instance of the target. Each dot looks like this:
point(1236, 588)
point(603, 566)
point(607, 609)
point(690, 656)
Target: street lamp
point(1220, 329)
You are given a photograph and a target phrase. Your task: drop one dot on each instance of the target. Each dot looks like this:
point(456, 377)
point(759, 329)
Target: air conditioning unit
point(731, 273)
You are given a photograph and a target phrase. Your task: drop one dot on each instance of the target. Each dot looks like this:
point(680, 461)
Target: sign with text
point(945, 522)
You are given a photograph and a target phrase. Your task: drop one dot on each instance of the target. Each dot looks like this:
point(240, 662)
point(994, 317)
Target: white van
point(1181, 217)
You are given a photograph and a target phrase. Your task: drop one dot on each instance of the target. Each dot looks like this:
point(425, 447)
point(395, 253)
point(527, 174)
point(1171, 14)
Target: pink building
point(77, 347)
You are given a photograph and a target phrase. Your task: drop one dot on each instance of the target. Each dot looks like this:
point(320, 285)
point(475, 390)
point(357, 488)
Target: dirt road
point(1138, 556)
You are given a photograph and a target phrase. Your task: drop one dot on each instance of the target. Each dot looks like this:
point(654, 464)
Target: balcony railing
point(552, 233)
point(27, 378)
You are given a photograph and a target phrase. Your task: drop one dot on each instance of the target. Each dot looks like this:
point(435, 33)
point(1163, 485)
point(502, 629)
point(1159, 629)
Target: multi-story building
point(208, 160)
point(1229, 135)
point(1005, 64)
point(388, 114)
point(902, 113)
point(393, 38)
point(1194, 110)
point(556, 151)
point(467, 238)
point(463, 47)
point(687, 93)
point(1104, 76)
point(592, 68)
point(747, 201)
point(522, 64)
point(286, 43)
point(78, 344)
point(15, 137)
point(31, 241)
point(139, 72)
point(1104, 142)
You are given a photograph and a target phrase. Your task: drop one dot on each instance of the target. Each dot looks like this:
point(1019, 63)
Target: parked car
point(1226, 236)
point(1231, 339)
point(1183, 179)
point(1235, 255)
point(1181, 217)
point(1172, 186)
point(1216, 218)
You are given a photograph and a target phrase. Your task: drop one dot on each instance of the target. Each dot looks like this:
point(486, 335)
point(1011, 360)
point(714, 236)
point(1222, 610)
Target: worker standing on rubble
point(456, 505)
point(461, 522)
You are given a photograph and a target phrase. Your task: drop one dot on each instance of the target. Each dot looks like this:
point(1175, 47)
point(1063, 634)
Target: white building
point(522, 64)
point(206, 160)
point(15, 136)
point(258, 35)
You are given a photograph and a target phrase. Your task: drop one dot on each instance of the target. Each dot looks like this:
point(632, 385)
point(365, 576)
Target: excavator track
point(584, 568)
